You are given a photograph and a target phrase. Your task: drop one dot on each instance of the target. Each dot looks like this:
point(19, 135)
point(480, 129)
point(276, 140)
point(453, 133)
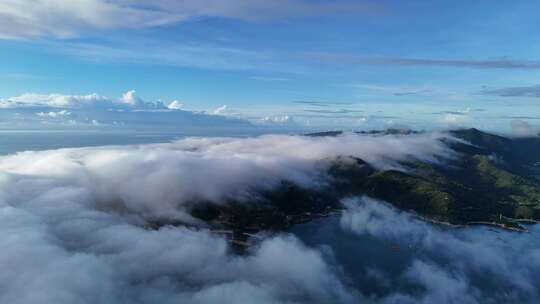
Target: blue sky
point(302, 64)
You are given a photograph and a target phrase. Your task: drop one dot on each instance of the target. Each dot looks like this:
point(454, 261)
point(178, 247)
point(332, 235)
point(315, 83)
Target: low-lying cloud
point(60, 252)
point(73, 221)
point(73, 225)
point(521, 128)
point(203, 169)
point(444, 265)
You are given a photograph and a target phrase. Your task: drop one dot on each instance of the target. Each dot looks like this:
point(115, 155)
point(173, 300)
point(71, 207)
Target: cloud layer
point(71, 18)
point(204, 169)
point(521, 128)
point(60, 251)
point(73, 221)
point(475, 265)
point(56, 111)
point(129, 100)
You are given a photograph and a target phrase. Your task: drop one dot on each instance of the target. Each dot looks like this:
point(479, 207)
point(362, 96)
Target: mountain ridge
point(491, 182)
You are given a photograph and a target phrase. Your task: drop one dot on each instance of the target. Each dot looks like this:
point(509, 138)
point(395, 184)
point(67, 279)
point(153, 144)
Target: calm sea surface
point(380, 266)
point(11, 142)
point(15, 141)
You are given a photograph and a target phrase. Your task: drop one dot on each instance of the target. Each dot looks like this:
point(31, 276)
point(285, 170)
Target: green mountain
point(492, 182)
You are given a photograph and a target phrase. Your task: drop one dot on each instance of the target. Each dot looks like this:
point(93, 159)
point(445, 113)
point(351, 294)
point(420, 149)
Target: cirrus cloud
point(71, 18)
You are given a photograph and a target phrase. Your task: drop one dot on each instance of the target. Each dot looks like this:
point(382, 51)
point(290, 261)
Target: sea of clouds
point(445, 265)
point(73, 222)
point(158, 180)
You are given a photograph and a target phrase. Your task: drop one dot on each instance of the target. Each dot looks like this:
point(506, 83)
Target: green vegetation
point(490, 183)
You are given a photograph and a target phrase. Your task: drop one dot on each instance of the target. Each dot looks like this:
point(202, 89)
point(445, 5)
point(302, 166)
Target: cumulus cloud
point(128, 100)
point(131, 99)
point(175, 105)
point(128, 111)
point(71, 18)
point(472, 265)
point(222, 110)
point(58, 114)
point(55, 100)
point(455, 118)
point(280, 121)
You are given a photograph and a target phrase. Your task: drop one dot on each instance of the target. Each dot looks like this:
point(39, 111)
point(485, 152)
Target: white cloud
point(58, 114)
point(58, 250)
point(55, 100)
point(73, 229)
point(279, 119)
point(226, 111)
point(131, 99)
point(448, 265)
point(128, 100)
point(207, 169)
point(522, 128)
point(127, 111)
point(175, 105)
point(222, 110)
point(71, 18)
point(73, 221)
point(455, 119)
